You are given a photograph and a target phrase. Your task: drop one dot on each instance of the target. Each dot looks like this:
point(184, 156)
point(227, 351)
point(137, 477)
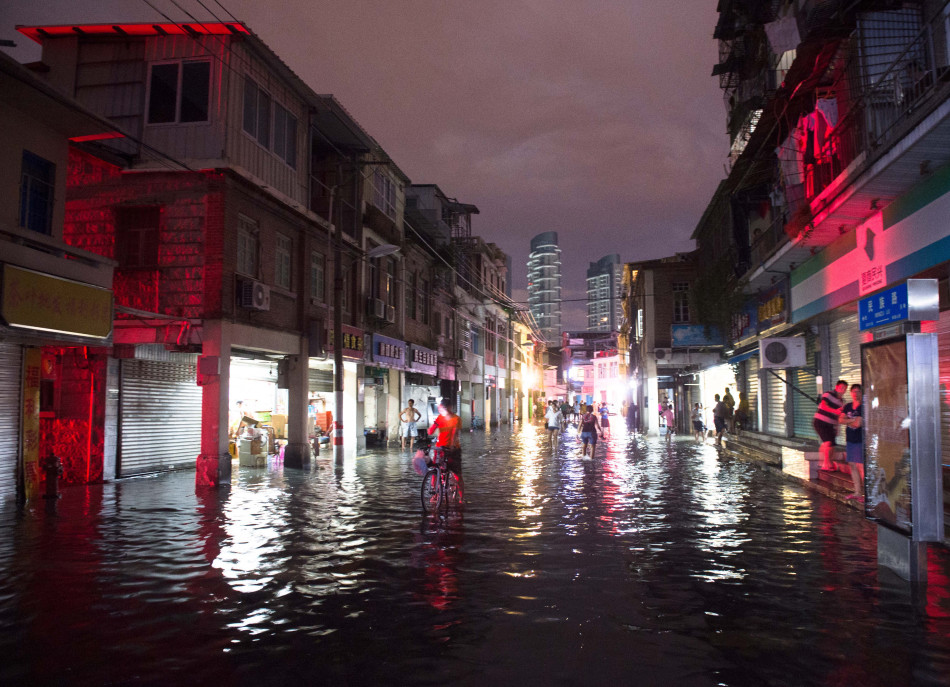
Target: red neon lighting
point(38, 33)
point(97, 137)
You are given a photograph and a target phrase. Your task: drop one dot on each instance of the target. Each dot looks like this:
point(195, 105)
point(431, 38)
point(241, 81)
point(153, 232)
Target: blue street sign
point(883, 308)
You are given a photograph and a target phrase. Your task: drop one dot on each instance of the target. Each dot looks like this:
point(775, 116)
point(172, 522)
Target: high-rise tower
point(544, 285)
point(603, 294)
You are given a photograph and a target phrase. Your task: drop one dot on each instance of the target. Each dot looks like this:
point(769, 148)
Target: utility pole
point(336, 432)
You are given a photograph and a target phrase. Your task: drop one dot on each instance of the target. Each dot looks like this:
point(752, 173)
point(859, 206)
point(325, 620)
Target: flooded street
point(649, 565)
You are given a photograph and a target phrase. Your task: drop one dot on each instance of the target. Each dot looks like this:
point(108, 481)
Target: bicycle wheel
point(453, 489)
point(431, 492)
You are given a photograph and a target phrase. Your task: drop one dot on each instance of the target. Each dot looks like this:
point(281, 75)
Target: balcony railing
point(898, 70)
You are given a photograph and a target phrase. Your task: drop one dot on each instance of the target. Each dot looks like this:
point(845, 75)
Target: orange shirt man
point(447, 423)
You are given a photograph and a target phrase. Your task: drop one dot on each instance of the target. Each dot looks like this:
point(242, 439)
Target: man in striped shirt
point(826, 422)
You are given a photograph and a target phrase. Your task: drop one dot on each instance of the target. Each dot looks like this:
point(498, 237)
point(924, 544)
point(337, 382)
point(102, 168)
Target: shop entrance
point(256, 403)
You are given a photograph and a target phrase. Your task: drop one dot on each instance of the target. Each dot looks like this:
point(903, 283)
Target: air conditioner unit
point(390, 314)
point(375, 307)
point(788, 351)
point(463, 354)
point(662, 353)
point(253, 295)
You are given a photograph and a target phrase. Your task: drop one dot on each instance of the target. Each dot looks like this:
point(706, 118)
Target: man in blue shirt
point(852, 418)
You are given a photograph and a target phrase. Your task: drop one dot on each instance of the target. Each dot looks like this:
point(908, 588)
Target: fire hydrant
point(52, 471)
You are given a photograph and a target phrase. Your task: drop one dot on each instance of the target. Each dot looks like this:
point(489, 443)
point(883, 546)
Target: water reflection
point(651, 563)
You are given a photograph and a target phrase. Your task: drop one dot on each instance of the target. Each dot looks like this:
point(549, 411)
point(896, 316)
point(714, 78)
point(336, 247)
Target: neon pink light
point(97, 137)
point(39, 33)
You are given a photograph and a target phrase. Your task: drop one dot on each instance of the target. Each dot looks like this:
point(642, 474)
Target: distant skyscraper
point(544, 285)
point(603, 294)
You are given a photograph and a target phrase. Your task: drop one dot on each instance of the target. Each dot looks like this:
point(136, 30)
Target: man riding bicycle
point(447, 443)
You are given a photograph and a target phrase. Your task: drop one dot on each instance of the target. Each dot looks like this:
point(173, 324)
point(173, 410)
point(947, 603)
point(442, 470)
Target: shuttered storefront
point(942, 328)
point(845, 352)
point(160, 416)
point(776, 389)
point(11, 371)
point(752, 389)
point(806, 381)
point(321, 381)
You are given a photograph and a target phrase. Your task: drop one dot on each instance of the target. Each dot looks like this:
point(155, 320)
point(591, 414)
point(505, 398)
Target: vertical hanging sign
point(30, 421)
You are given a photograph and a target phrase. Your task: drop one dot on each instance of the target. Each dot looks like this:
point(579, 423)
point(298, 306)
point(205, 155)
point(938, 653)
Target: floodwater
point(650, 565)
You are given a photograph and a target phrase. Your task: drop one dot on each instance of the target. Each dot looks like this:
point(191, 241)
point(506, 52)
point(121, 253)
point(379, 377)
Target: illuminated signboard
point(33, 300)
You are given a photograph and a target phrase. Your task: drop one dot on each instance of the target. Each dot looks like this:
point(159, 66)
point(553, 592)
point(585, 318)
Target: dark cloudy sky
point(596, 118)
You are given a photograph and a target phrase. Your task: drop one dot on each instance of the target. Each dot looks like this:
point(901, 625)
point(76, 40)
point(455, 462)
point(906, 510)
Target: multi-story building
point(603, 294)
point(222, 224)
point(486, 312)
point(56, 298)
point(838, 114)
point(430, 282)
point(672, 355)
point(544, 285)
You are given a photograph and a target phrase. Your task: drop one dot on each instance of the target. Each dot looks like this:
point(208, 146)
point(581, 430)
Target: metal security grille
point(10, 374)
point(321, 381)
point(845, 352)
point(942, 329)
point(806, 381)
point(159, 417)
point(752, 389)
point(776, 389)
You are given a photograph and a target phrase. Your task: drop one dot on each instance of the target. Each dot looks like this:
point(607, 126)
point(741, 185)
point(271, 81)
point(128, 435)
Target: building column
point(297, 452)
point(214, 461)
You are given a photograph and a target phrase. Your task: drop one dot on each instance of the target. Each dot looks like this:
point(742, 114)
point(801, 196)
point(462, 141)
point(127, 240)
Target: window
point(424, 301)
point(411, 296)
point(247, 248)
point(318, 279)
point(285, 135)
point(384, 193)
point(680, 302)
point(178, 92)
point(257, 105)
point(282, 252)
point(389, 283)
point(37, 181)
point(137, 234)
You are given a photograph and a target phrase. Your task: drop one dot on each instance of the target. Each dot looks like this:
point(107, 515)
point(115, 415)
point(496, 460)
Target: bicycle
point(441, 487)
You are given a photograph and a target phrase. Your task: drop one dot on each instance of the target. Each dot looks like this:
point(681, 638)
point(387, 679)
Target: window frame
point(148, 238)
point(248, 229)
point(261, 93)
point(318, 288)
point(288, 154)
point(411, 280)
point(680, 291)
point(28, 197)
point(179, 80)
point(384, 193)
point(283, 263)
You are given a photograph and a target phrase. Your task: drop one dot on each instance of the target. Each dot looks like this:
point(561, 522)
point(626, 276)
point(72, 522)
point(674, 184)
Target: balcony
point(896, 132)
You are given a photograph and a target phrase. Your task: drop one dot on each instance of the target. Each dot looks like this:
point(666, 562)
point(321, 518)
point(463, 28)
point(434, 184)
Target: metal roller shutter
point(942, 328)
point(11, 372)
point(845, 352)
point(776, 390)
point(805, 380)
point(321, 380)
point(160, 417)
point(752, 388)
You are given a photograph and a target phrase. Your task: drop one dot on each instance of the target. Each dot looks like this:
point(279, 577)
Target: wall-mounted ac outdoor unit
point(253, 295)
point(662, 353)
point(375, 307)
point(390, 314)
point(463, 354)
point(786, 351)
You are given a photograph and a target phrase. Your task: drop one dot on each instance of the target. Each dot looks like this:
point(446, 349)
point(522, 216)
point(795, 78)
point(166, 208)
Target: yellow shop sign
point(34, 300)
